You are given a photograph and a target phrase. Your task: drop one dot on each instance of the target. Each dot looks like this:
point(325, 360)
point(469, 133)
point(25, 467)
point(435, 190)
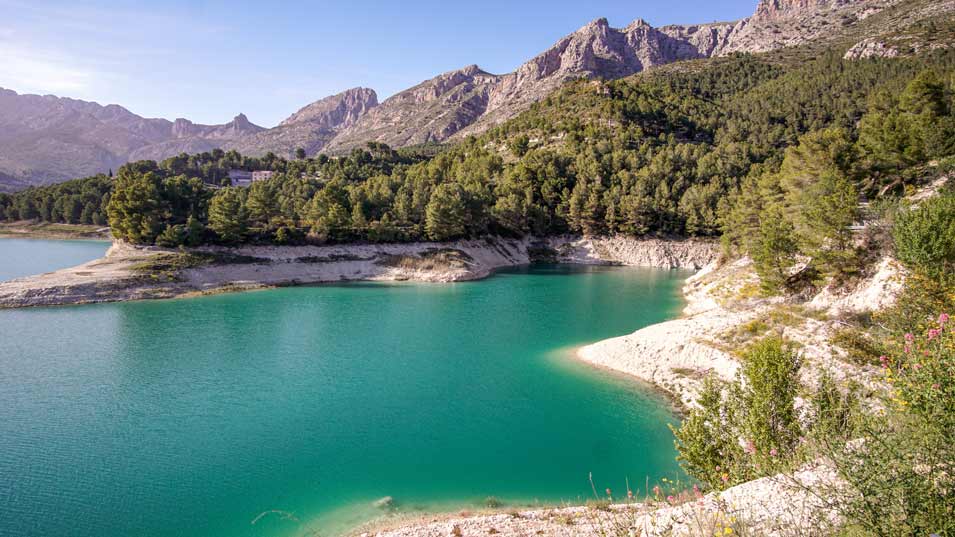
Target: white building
point(261, 176)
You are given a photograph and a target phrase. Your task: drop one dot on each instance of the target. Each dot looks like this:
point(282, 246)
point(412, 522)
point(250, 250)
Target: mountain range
point(45, 139)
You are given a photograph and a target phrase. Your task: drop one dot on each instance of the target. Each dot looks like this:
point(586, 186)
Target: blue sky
point(208, 61)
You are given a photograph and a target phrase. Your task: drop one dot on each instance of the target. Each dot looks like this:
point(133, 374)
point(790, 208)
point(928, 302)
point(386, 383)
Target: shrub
point(752, 429)
point(900, 471)
point(172, 236)
point(925, 238)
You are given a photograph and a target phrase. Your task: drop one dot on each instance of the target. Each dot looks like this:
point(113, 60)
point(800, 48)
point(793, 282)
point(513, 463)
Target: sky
point(210, 60)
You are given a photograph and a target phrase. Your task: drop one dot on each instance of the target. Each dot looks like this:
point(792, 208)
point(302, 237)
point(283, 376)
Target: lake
point(287, 411)
point(25, 257)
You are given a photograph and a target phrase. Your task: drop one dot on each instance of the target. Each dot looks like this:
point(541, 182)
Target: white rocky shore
point(132, 273)
point(771, 506)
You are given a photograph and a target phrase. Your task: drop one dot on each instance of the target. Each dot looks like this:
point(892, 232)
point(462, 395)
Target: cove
point(26, 257)
point(281, 412)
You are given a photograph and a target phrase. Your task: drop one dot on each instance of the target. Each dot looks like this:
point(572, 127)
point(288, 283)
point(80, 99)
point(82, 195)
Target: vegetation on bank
point(895, 453)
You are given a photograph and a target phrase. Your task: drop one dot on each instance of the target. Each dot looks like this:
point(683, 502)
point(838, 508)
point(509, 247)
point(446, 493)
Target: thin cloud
point(31, 71)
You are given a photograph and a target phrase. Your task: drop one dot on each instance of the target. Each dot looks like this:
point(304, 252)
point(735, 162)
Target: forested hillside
point(684, 150)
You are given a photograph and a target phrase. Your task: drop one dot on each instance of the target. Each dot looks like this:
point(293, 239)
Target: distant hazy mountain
point(46, 139)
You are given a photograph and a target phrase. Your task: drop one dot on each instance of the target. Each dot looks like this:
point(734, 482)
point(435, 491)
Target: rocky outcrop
point(436, 110)
point(432, 111)
point(313, 126)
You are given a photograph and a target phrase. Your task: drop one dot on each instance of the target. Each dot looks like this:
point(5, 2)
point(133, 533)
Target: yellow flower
point(728, 531)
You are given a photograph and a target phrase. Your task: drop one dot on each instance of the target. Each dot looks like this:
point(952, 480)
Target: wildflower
point(728, 530)
point(933, 333)
point(884, 360)
point(656, 491)
point(725, 477)
point(750, 447)
point(916, 366)
point(608, 492)
point(630, 494)
point(696, 490)
point(773, 452)
point(935, 386)
point(671, 499)
point(909, 336)
point(943, 318)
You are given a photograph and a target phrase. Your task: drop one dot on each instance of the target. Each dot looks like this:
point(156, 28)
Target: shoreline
point(136, 273)
point(718, 301)
point(50, 231)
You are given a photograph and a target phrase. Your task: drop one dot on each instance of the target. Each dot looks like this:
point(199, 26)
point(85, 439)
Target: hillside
point(48, 139)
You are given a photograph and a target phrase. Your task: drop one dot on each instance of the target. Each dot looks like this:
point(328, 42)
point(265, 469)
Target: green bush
point(172, 236)
point(752, 429)
point(925, 237)
point(900, 468)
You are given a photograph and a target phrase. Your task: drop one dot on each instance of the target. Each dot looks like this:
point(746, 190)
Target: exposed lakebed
point(195, 416)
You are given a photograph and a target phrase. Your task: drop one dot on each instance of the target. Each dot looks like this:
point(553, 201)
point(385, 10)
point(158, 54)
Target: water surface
point(26, 257)
point(194, 417)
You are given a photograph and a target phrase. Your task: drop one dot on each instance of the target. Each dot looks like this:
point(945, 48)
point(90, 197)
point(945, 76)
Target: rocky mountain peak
point(636, 25)
point(338, 110)
point(775, 9)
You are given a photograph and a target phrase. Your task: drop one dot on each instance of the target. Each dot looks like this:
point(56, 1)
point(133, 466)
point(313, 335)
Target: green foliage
point(774, 249)
point(925, 237)
point(446, 212)
point(898, 469)
point(136, 207)
point(228, 217)
point(750, 430)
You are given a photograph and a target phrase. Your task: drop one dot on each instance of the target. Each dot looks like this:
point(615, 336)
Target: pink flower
point(750, 447)
point(916, 366)
point(670, 499)
point(933, 333)
point(656, 490)
point(696, 491)
point(725, 477)
point(608, 492)
point(909, 336)
point(943, 318)
point(884, 361)
point(935, 386)
point(773, 452)
point(630, 494)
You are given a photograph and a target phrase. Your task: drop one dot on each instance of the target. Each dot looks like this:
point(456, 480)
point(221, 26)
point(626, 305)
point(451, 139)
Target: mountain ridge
point(45, 139)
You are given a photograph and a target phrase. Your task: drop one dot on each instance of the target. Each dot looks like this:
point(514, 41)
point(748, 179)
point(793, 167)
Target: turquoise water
point(25, 257)
point(194, 417)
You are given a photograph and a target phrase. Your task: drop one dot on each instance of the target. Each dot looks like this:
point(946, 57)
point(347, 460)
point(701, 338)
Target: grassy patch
point(168, 265)
point(431, 259)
